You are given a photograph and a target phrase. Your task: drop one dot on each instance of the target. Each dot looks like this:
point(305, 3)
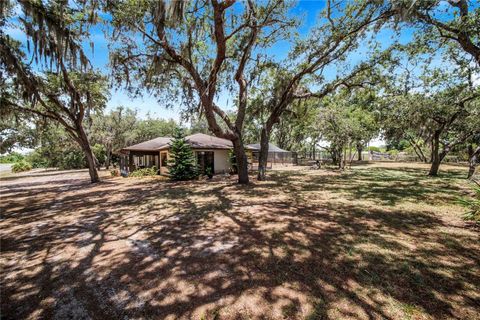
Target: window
point(163, 159)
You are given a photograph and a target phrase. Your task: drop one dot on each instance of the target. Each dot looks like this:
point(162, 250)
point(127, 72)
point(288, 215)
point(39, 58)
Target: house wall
point(220, 160)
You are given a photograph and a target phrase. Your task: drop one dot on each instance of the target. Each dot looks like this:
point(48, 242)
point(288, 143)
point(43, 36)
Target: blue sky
point(148, 104)
point(307, 10)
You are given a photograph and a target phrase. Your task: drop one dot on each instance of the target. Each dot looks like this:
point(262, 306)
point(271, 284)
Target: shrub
point(145, 172)
point(21, 166)
point(375, 149)
point(473, 205)
point(72, 159)
point(115, 173)
point(232, 159)
point(100, 153)
point(11, 157)
point(37, 159)
point(393, 152)
point(65, 159)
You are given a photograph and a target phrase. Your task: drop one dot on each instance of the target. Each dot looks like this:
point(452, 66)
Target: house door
point(205, 161)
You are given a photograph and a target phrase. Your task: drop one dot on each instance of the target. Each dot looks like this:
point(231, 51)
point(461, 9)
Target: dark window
point(205, 162)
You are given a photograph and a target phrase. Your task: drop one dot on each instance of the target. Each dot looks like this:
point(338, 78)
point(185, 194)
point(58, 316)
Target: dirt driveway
point(373, 243)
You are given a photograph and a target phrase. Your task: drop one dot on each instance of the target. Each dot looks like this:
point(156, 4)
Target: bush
point(115, 173)
point(11, 157)
point(21, 166)
point(393, 152)
point(473, 206)
point(145, 172)
point(100, 153)
point(375, 149)
point(232, 159)
point(47, 157)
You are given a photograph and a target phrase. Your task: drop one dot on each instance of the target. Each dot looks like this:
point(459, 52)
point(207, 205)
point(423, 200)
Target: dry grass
point(376, 242)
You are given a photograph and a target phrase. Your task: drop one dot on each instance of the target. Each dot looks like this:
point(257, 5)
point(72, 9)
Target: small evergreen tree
point(182, 164)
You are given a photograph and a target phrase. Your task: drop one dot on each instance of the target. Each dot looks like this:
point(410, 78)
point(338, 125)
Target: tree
point(151, 128)
point(182, 163)
point(209, 52)
point(16, 131)
point(340, 29)
point(114, 130)
point(55, 149)
point(346, 122)
point(297, 129)
point(435, 106)
point(451, 21)
point(473, 151)
point(64, 89)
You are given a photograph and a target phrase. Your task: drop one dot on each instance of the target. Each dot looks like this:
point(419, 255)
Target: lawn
point(380, 241)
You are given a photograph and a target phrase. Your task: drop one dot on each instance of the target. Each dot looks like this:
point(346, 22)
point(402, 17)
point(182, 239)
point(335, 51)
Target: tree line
point(190, 53)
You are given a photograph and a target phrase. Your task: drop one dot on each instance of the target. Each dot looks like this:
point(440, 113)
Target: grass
point(379, 241)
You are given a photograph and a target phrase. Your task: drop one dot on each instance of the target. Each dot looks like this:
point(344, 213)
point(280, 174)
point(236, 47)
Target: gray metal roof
point(150, 145)
point(271, 147)
point(201, 140)
point(197, 141)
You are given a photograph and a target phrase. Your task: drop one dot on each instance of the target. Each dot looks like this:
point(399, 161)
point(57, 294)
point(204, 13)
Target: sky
point(149, 104)
point(307, 10)
point(99, 57)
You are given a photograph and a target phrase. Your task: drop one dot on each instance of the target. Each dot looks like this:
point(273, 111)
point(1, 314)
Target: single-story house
point(210, 152)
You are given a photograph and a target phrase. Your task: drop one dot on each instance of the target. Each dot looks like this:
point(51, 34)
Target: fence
point(276, 158)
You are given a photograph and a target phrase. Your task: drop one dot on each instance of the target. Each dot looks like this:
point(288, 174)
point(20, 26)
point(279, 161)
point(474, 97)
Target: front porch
point(213, 161)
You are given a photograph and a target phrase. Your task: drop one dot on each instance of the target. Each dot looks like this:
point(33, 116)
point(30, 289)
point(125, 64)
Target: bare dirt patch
point(376, 242)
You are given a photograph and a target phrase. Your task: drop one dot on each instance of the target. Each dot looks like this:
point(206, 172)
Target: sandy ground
point(5, 168)
point(377, 242)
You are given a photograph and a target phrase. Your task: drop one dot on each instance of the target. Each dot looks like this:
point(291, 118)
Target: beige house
point(210, 152)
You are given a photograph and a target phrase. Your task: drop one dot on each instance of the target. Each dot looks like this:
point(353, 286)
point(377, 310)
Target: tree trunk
point(359, 150)
point(418, 150)
point(263, 154)
point(333, 154)
point(108, 158)
point(435, 154)
point(85, 144)
point(473, 160)
point(242, 164)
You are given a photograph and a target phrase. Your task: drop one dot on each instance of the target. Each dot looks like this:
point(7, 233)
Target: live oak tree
point(451, 21)
point(341, 27)
point(15, 132)
point(60, 85)
point(211, 49)
point(115, 130)
point(439, 108)
point(346, 121)
point(473, 151)
point(150, 128)
point(297, 129)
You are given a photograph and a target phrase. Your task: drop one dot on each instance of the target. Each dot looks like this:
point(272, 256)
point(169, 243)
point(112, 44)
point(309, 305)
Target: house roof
point(201, 140)
point(150, 145)
point(197, 141)
point(271, 147)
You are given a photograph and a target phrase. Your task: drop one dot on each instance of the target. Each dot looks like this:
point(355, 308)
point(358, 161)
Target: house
point(210, 152)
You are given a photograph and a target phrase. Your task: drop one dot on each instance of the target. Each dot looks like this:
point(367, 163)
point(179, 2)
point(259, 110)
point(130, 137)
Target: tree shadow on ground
point(384, 186)
point(151, 249)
